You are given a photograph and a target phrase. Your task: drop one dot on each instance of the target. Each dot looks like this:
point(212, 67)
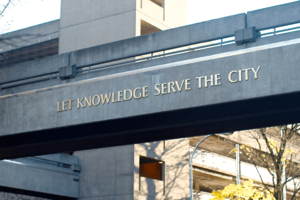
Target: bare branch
point(1, 12)
point(294, 195)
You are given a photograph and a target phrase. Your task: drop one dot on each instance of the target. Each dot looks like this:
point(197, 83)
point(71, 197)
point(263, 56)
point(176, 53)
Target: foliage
point(246, 191)
point(275, 149)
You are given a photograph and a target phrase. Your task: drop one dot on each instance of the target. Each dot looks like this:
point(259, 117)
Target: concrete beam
point(274, 16)
point(30, 36)
point(38, 112)
point(33, 68)
point(43, 175)
point(173, 38)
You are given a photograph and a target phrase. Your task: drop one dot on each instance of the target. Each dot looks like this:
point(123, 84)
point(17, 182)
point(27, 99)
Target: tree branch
point(1, 12)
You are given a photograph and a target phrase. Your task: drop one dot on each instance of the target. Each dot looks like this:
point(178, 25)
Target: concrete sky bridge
point(141, 97)
point(84, 100)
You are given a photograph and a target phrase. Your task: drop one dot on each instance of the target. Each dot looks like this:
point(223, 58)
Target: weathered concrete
point(274, 16)
point(60, 158)
point(30, 36)
point(133, 66)
point(173, 38)
point(33, 68)
point(107, 173)
point(42, 174)
point(100, 31)
point(124, 68)
point(92, 23)
point(127, 48)
point(175, 155)
point(38, 110)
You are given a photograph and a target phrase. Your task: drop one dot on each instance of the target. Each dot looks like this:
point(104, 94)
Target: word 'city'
point(160, 89)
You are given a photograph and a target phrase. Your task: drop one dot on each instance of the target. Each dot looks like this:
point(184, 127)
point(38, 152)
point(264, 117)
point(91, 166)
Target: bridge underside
point(241, 115)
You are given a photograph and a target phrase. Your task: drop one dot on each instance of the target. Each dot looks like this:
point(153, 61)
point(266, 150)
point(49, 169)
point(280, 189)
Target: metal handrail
point(53, 75)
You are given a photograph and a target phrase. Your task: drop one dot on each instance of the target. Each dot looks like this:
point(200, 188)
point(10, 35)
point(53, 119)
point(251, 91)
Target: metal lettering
point(125, 95)
point(255, 72)
point(79, 103)
point(87, 101)
point(187, 84)
point(156, 87)
point(200, 80)
point(58, 110)
point(230, 78)
point(171, 85)
point(145, 91)
point(70, 104)
point(216, 79)
point(105, 98)
point(246, 73)
point(163, 87)
point(211, 80)
point(179, 87)
point(120, 95)
point(113, 98)
point(93, 100)
point(134, 93)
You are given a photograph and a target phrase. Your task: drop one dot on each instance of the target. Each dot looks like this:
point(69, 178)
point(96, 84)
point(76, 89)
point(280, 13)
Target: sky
point(204, 10)
point(32, 12)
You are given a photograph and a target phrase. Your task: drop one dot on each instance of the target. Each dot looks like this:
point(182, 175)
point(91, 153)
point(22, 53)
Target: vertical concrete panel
point(176, 159)
point(74, 12)
point(90, 23)
point(34, 115)
point(106, 172)
point(16, 109)
point(175, 154)
point(151, 188)
point(97, 32)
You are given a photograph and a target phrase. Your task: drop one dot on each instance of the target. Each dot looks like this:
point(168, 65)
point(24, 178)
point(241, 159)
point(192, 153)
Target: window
point(151, 168)
point(158, 2)
point(147, 28)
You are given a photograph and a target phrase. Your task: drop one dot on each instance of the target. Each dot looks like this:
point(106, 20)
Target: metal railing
point(120, 62)
point(150, 56)
point(280, 30)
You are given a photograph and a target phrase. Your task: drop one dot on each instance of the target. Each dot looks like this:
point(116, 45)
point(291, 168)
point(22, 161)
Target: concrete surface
point(50, 174)
point(175, 155)
point(107, 173)
point(30, 36)
point(159, 41)
point(38, 110)
point(92, 23)
point(274, 16)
